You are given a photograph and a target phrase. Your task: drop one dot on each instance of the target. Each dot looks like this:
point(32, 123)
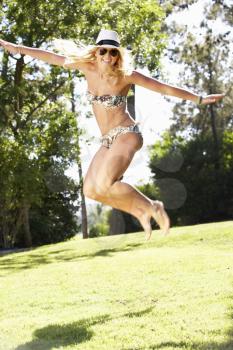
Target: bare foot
point(148, 232)
point(161, 217)
point(145, 222)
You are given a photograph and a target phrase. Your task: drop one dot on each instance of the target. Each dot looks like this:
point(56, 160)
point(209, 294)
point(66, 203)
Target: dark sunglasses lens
point(114, 53)
point(102, 51)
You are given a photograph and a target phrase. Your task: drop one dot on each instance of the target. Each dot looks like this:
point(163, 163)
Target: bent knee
point(89, 191)
point(97, 190)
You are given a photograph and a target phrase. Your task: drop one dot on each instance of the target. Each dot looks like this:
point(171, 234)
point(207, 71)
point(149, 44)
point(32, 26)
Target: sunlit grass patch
point(121, 292)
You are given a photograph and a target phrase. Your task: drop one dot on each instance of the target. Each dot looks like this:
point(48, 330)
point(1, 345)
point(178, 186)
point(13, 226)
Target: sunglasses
point(113, 52)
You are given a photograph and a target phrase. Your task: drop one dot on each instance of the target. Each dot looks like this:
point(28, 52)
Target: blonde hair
point(78, 52)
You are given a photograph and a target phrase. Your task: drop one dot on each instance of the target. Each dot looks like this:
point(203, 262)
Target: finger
point(213, 100)
point(209, 100)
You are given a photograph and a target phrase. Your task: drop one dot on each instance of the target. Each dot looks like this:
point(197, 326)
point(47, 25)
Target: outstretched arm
point(166, 89)
point(43, 55)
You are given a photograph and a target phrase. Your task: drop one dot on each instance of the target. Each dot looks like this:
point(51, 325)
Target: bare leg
point(127, 198)
point(101, 183)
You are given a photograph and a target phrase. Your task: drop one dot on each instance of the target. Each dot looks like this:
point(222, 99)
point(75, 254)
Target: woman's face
point(107, 57)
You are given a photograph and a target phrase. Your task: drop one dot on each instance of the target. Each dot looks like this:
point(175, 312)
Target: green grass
point(122, 293)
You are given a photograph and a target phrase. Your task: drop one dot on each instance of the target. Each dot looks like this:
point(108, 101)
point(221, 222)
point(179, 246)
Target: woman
point(109, 80)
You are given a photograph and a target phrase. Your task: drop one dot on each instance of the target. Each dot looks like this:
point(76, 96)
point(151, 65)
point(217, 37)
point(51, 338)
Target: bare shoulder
point(136, 78)
point(84, 67)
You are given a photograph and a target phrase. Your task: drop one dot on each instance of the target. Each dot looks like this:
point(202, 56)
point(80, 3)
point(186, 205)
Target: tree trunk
point(215, 136)
point(84, 224)
point(26, 225)
point(5, 61)
point(15, 229)
point(17, 81)
point(116, 222)
point(5, 233)
point(131, 103)
point(213, 117)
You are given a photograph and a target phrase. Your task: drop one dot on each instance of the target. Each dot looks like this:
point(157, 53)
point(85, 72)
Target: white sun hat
point(108, 38)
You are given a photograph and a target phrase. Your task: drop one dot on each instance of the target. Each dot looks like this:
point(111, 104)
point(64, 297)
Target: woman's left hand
point(212, 99)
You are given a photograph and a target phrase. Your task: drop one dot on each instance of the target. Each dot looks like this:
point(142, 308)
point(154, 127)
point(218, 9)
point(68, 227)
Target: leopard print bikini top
point(108, 101)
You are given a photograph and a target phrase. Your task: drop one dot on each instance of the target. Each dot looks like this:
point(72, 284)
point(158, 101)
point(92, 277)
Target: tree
point(184, 178)
point(36, 129)
point(200, 132)
point(38, 132)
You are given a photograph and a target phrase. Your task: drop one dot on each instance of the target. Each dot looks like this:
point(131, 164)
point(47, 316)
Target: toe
point(161, 217)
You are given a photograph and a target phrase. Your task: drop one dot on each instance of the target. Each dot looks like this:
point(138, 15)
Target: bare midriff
point(109, 118)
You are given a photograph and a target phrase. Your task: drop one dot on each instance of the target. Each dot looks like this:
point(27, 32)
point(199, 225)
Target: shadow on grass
point(55, 336)
point(189, 345)
point(16, 262)
point(4, 252)
point(139, 313)
point(228, 345)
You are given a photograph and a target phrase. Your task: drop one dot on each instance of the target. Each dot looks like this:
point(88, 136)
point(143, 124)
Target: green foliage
point(37, 130)
point(99, 222)
point(100, 229)
point(138, 23)
point(207, 60)
point(209, 190)
point(55, 221)
point(28, 22)
point(227, 150)
point(192, 163)
point(221, 8)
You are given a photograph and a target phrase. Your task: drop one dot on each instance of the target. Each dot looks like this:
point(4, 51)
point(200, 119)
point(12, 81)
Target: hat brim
point(109, 46)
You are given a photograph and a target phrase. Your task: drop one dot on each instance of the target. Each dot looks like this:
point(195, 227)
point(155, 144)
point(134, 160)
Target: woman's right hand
point(44, 55)
point(12, 48)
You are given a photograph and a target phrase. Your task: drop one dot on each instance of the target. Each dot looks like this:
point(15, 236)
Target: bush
point(100, 229)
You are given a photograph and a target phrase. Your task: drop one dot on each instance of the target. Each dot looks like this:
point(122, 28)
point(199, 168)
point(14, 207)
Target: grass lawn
point(122, 293)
